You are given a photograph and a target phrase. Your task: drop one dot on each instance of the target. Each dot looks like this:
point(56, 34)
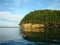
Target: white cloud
point(8, 19)
point(6, 23)
point(13, 9)
point(9, 16)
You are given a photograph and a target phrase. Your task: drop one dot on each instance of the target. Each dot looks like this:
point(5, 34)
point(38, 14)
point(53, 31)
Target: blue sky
point(12, 11)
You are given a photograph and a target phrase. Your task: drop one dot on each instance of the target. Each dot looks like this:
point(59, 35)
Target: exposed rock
point(29, 25)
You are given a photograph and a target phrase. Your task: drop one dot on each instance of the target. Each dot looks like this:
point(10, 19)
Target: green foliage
point(46, 17)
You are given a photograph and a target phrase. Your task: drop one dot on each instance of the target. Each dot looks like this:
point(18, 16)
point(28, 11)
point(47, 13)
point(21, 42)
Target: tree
point(47, 17)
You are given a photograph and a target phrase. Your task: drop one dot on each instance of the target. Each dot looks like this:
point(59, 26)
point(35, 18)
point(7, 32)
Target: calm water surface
point(13, 36)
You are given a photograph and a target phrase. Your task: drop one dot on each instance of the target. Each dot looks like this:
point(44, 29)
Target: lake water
point(13, 36)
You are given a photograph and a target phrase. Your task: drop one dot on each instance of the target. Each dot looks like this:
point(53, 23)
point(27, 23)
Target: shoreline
point(29, 25)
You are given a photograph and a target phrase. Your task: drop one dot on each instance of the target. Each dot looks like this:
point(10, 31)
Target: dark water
point(13, 36)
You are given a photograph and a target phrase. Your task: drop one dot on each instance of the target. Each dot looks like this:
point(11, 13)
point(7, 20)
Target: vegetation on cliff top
point(47, 17)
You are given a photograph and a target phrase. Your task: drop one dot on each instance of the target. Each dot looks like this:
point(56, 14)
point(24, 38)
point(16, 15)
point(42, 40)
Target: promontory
point(41, 18)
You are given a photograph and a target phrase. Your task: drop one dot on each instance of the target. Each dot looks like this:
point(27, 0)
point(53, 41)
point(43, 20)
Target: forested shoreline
point(46, 17)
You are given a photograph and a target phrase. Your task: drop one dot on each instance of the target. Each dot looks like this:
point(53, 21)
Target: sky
point(12, 11)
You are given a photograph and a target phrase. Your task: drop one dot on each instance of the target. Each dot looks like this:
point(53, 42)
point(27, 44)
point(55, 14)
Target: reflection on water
point(17, 36)
point(42, 34)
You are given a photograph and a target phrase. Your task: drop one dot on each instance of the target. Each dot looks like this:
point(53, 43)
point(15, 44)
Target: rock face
point(29, 25)
point(37, 25)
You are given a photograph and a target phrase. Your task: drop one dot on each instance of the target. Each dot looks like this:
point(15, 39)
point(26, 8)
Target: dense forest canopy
point(47, 17)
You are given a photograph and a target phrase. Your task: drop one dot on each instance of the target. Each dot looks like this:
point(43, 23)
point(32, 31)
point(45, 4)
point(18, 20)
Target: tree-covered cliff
point(47, 17)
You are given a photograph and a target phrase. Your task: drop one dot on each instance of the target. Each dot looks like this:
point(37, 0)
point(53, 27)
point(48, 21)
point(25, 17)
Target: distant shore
point(7, 27)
